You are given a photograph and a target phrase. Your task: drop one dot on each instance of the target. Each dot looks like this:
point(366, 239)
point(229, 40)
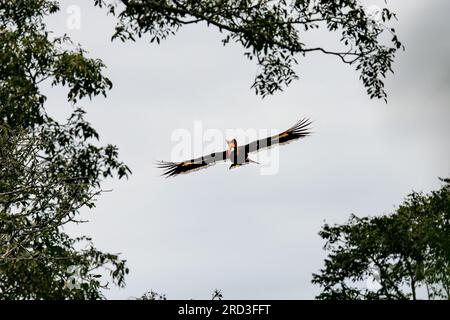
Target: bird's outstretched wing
point(172, 169)
point(299, 130)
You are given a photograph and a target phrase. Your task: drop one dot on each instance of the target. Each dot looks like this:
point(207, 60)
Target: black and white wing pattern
point(299, 130)
point(172, 169)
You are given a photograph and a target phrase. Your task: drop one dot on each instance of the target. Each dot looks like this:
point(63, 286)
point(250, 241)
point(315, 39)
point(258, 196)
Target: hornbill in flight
point(238, 155)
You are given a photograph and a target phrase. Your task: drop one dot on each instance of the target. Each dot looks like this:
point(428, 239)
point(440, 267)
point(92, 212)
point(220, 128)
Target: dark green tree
point(271, 33)
point(405, 251)
point(152, 295)
point(49, 170)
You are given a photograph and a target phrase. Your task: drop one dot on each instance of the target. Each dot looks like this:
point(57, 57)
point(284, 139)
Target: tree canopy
point(272, 33)
point(48, 170)
point(403, 252)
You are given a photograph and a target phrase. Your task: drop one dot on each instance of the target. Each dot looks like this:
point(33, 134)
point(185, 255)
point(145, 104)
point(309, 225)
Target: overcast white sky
point(255, 236)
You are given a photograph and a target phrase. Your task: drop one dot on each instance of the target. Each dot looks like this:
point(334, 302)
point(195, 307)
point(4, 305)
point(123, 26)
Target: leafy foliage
point(271, 33)
point(152, 295)
point(217, 295)
point(48, 170)
point(410, 249)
